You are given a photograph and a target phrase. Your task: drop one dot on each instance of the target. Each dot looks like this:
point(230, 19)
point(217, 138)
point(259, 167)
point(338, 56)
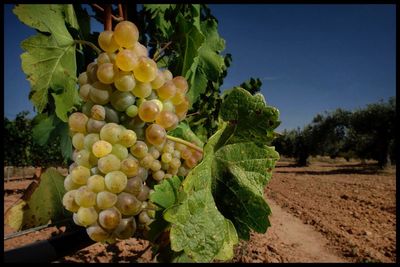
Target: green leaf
point(184, 132)
point(49, 58)
point(41, 131)
point(66, 141)
point(70, 16)
point(226, 252)
point(167, 192)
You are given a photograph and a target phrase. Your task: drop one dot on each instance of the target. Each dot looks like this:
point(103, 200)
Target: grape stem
point(92, 45)
point(156, 56)
point(102, 10)
point(184, 142)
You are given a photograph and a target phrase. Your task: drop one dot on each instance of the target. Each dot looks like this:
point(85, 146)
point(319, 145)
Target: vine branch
point(107, 18)
point(92, 45)
point(157, 54)
point(184, 142)
point(118, 19)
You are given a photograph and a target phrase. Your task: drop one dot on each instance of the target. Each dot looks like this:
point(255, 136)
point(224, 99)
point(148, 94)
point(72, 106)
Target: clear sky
point(311, 58)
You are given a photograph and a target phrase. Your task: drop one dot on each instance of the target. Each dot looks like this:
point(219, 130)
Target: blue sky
point(311, 58)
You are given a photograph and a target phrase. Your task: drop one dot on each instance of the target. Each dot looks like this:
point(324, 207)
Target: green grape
point(144, 218)
point(178, 98)
point(130, 167)
point(77, 122)
point(145, 70)
point(158, 175)
point(86, 108)
point(168, 147)
point(126, 228)
point(158, 103)
point(124, 81)
point(84, 197)
point(139, 50)
point(175, 163)
point(155, 166)
point(168, 106)
point(164, 166)
point(86, 216)
point(83, 78)
point(134, 186)
point(110, 133)
point(155, 134)
point(181, 109)
point(95, 183)
point(105, 200)
point(127, 138)
point(146, 161)
point(81, 158)
point(120, 151)
point(166, 157)
point(139, 149)
point(93, 160)
point(126, 34)
point(167, 119)
point(77, 140)
point(182, 171)
point(106, 73)
point(142, 174)
point(158, 81)
point(181, 84)
point(172, 170)
point(132, 111)
point(167, 75)
point(176, 154)
point(84, 91)
point(103, 58)
point(128, 204)
point(80, 174)
point(96, 233)
point(116, 181)
point(90, 139)
point(107, 41)
point(98, 112)
point(91, 72)
point(101, 148)
point(94, 126)
point(122, 100)
point(144, 194)
point(109, 163)
point(100, 93)
point(69, 201)
point(109, 218)
point(154, 152)
point(126, 60)
point(191, 162)
point(142, 89)
point(111, 115)
point(69, 184)
point(167, 90)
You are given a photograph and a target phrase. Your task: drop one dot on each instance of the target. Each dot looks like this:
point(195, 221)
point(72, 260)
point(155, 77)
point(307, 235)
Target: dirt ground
point(326, 212)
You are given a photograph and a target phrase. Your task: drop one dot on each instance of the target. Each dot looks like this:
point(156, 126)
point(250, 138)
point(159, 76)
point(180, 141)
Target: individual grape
point(93, 160)
point(95, 183)
point(100, 93)
point(128, 204)
point(90, 139)
point(167, 119)
point(86, 216)
point(75, 219)
point(182, 171)
point(139, 149)
point(181, 109)
point(103, 58)
point(139, 101)
point(142, 173)
point(77, 140)
point(98, 112)
point(127, 138)
point(69, 201)
point(107, 41)
point(69, 184)
point(148, 111)
point(110, 133)
point(82, 158)
point(167, 75)
point(144, 194)
point(166, 157)
point(145, 70)
point(126, 228)
point(197, 155)
point(168, 176)
point(86, 108)
point(181, 84)
point(122, 100)
point(134, 186)
point(191, 162)
point(158, 81)
point(101, 148)
point(91, 72)
point(139, 50)
point(130, 167)
point(83, 79)
point(109, 163)
point(168, 147)
point(124, 81)
point(175, 163)
point(80, 174)
point(168, 106)
point(142, 90)
point(158, 175)
point(77, 122)
point(84, 91)
point(186, 153)
point(164, 166)
point(106, 73)
point(116, 181)
point(154, 152)
point(172, 170)
point(132, 111)
point(109, 218)
point(120, 151)
point(155, 134)
point(105, 200)
point(96, 233)
point(167, 90)
point(111, 115)
point(144, 218)
point(84, 197)
point(155, 166)
point(126, 60)
point(94, 126)
point(146, 161)
point(158, 103)
point(126, 34)
point(180, 147)
point(176, 154)
point(178, 98)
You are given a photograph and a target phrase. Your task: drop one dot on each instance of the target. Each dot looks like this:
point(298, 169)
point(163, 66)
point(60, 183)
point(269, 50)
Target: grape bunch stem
point(184, 142)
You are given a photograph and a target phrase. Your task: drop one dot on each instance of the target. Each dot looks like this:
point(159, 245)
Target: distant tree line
point(20, 150)
point(367, 133)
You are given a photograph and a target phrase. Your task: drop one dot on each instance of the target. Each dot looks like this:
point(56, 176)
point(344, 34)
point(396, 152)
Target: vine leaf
point(49, 58)
point(44, 205)
point(167, 192)
point(183, 131)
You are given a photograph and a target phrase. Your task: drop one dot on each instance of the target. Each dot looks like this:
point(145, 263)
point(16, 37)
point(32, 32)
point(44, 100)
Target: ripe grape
point(109, 163)
point(80, 174)
point(120, 151)
point(83, 79)
point(96, 233)
point(181, 84)
point(139, 149)
point(166, 91)
point(116, 181)
point(134, 186)
point(148, 111)
point(84, 91)
point(101, 148)
point(130, 166)
point(90, 139)
point(106, 73)
point(126, 228)
point(142, 90)
point(126, 60)
point(82, 158)
point(140, 50)
point(94, 126)
point(84, 197)
point(100, 94)
point(124, 81)
point(77, 122)
point(110, 133)
point(155, 134)
point(167, 119)
point(107, 41)
point(77, 140)
point(103, 58)
point(128, 204)
point(122, 100)
point(69, 201)
point(69, 184)
point(127, 138)
point(158, 175)
point(95, 183)
point(144, 194)
point(126, 34)
point(110, 218)
point(145, 69)
point(86, 216)
point(167, 75)
point(132, 111)
point(105, 200)
point(98, 112)
point(146, 161)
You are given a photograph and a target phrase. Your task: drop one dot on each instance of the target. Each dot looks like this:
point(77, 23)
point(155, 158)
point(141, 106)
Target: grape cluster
point(120, 137)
